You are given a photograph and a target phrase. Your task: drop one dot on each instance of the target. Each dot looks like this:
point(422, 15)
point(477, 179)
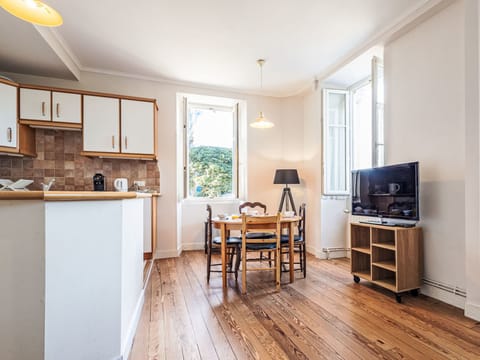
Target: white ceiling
point(214, 43)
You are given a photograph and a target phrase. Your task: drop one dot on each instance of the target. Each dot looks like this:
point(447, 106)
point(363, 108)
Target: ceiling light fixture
point(261, 122)
point(33, 11)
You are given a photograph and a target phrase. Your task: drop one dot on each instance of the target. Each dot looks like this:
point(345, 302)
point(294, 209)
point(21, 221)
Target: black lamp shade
point(286, 176)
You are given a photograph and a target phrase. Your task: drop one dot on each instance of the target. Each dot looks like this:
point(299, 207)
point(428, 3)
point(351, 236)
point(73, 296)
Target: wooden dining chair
point(214, 247)
point(257, 205)
point(260, 224)
point(299, 244)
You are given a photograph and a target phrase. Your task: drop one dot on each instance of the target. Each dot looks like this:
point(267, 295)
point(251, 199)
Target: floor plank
point(325, 316)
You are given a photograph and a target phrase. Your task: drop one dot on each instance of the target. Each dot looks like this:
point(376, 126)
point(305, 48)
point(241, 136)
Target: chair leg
point(209, 260)
point(238, 252)
point(304, 250)
point(269, 259)
point(300, 252)
point(244, 272)
point(278, 251)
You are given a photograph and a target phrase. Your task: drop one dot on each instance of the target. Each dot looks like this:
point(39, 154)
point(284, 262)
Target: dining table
point(225, 225)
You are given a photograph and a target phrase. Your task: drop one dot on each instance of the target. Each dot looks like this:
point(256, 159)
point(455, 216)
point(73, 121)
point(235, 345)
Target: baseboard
point(323, 255)
point(165, 254)
point(472, 311)
point(127, 345)
point(442, 295)
point(193, 246)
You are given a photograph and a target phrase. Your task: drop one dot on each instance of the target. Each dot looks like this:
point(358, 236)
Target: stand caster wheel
point(398, 298)
point(414, 292)
point(356, 279)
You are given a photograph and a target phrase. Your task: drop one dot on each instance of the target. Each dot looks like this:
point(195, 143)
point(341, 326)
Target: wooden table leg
point(223, 247)
point(291, 230)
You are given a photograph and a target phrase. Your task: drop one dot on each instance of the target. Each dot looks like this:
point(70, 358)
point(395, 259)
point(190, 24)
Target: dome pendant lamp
point(33, 11)
point(261, 122)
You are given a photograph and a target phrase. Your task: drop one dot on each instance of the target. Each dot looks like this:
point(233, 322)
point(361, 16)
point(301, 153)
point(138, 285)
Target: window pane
point(210, 149)
point(380, 155)
point(362, 128)
point(336, 109)
point(380, 113)
point(336, 152)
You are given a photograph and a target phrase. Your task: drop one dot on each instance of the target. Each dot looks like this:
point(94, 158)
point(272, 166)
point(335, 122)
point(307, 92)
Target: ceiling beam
point(61, 49)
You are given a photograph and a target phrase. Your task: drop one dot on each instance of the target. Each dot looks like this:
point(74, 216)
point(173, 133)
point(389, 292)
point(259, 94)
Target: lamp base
point(286, 198)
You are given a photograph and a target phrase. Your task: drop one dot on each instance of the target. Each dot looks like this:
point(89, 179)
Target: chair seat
point(256, 235)
point(232, 240)
point(296, 238)
point(267, 246)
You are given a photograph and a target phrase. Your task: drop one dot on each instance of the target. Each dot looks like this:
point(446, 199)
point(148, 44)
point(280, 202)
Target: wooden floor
point(325, 316)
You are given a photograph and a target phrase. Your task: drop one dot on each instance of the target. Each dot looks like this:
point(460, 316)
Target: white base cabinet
point(72, 280)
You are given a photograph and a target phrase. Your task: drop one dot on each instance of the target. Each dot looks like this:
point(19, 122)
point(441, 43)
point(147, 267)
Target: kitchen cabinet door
point(137, 127)
point(67, 107)
point(8, 115)
point(101, 124)
point(35, 104)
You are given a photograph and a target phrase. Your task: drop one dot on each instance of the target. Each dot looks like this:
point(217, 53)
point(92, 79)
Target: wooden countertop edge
point(73, 195)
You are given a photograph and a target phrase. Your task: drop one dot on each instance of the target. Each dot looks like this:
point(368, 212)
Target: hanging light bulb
point(261, 121)
point(33, 11)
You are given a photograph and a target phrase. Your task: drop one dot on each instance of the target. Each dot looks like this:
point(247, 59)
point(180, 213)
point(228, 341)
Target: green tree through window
point(210, 171)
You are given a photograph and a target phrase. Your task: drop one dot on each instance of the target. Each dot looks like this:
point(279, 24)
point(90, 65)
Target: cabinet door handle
point(126, 143)
point(43, 108)
point(58, 110)
point(113, 141)
point(9, 134)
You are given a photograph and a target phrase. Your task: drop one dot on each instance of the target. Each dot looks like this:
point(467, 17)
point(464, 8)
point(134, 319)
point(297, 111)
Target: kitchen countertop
point(73, 195)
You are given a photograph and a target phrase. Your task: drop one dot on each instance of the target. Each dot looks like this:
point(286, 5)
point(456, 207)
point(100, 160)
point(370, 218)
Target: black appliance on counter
point(98, 182)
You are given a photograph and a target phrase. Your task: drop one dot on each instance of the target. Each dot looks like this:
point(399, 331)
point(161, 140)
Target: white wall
point(425, 121)
point(472, 136)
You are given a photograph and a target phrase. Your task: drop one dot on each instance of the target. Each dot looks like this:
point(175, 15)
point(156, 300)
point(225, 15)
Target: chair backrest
point(252, 205)
point(301, 223)
point(261, 224)
point(209, 225)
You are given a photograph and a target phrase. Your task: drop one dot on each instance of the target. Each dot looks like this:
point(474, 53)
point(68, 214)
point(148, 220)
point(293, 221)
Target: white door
point(35, 104)
point(8, 115)
point(101, 124)
point(67, 107)
point(137, 127)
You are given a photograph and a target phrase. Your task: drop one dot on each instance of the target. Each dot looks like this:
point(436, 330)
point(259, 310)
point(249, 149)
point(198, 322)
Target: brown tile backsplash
point(59, 157)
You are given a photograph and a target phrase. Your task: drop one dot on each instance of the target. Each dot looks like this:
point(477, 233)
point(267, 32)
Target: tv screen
point(388, 191)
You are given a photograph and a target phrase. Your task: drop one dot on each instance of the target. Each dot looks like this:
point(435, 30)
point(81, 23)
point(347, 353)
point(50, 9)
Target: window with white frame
point(353, 130)
point(210, 148)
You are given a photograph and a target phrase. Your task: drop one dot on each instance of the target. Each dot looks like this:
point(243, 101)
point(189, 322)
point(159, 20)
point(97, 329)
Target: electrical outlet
point(139, 183)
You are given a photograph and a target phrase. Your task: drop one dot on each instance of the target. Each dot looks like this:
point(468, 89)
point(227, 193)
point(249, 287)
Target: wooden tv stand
point(389, 256)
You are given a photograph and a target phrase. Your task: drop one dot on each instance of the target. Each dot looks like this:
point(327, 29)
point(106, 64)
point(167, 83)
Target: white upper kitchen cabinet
point(8, 115)
point(101, 124)
point(67, 107)
point(35, 104)
point(138, 126)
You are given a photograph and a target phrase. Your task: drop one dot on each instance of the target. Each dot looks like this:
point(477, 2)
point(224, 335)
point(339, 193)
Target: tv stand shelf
point(391, 257)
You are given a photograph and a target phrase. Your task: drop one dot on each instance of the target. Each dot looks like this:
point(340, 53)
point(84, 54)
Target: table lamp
point(286, 176)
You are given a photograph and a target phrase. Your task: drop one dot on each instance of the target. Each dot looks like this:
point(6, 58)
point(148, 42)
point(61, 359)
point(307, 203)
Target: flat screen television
point(386, 192)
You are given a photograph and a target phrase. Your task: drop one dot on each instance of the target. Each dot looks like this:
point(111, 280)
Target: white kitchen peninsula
point(71, 274)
